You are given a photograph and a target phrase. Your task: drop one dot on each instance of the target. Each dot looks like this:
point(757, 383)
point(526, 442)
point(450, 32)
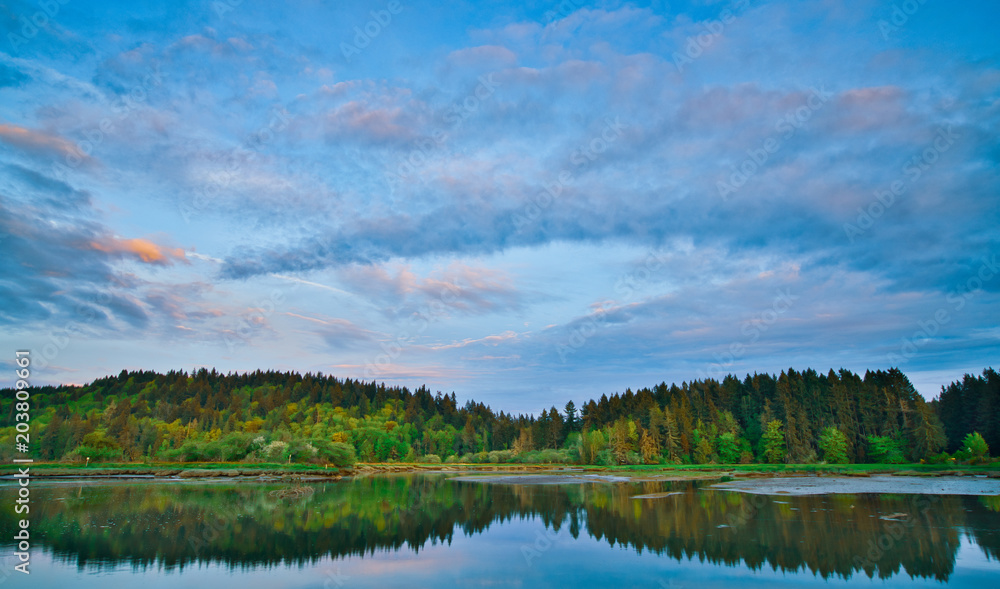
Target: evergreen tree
point(833, 443)
point(774, 442)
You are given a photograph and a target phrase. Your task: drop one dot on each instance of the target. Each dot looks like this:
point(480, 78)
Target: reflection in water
point(244, 526)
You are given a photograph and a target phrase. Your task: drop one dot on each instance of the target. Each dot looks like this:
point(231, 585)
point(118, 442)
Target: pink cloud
point(487, 56)
point(38, 141)
point(141, 249)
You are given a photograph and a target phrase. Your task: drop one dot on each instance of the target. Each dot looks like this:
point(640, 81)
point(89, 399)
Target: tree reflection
point(242, 525)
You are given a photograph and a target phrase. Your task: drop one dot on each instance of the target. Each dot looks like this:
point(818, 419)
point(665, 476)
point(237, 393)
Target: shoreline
point(744, 479)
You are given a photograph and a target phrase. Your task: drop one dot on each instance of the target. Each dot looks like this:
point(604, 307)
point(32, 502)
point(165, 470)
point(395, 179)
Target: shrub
point(323, 451)
point(941, 458)
point(339, 454)
point(81, 453)
point(975, 446)
point(606, 458)
point(430, 459)
point(276, 451)
point(547, 456)
point(885, 450)
point(234, 447)
point(499, 456)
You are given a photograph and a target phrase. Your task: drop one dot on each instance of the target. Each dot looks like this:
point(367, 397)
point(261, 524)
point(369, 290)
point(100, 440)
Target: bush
point(338, 454)
point(233, 447)
point(500, 456)
point(547, 456)
point(942, 458)
point(276, 451)
point(885, 450)
point(606, 458)
point(976, 447)
point(430, 459)
point(81, 453)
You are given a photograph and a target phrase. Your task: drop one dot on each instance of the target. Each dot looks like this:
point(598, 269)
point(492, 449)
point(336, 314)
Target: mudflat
point(965, 485)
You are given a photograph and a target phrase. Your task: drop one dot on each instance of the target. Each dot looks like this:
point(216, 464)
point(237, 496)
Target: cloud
point(39, 142)
point(487, 57)
point(359, 120)
point(456, 288)
point(141, 249)
point(490, 340)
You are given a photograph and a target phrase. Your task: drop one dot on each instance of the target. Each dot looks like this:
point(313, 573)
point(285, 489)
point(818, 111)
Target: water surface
point(430, 531)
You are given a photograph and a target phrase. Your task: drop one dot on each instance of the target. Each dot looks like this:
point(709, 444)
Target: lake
point(429, 531)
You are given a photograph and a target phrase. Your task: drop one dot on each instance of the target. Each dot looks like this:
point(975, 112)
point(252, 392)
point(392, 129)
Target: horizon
point(519, 204)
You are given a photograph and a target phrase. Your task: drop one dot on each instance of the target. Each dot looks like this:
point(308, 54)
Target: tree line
point(281, 417)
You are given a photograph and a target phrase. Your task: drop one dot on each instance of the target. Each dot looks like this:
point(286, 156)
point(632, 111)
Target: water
point(429, 531)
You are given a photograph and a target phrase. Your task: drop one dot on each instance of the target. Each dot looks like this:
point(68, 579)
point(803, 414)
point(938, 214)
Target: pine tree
point(833, 443)
point(774, 442)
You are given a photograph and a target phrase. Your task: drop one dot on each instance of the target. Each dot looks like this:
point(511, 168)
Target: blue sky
point(519, 203)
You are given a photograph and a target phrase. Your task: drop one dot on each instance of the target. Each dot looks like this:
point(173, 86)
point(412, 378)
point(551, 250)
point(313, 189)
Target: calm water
point(429, 531)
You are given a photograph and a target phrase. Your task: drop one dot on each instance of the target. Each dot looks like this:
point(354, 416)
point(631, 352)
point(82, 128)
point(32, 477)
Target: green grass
point(169, 466)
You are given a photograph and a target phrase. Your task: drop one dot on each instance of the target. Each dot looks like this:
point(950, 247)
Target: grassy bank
point(232, 469)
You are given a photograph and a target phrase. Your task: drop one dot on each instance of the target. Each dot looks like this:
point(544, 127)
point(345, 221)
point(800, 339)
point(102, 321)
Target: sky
point(522, 203)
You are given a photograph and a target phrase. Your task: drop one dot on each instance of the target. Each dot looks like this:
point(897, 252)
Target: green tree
point(571, 423)
point(885, 450)
point(976, 446)
point(927, 433)
point(703, 451)
point(648, 447)
point(620, 442)
point(833, 443)
point(729, 452)
point(774, 441)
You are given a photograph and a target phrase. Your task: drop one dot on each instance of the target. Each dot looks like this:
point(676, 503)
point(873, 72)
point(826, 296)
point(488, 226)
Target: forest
point(285, 417)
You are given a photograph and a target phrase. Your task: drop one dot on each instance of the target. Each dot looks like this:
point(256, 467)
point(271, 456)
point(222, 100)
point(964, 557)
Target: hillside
point(797, 416)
